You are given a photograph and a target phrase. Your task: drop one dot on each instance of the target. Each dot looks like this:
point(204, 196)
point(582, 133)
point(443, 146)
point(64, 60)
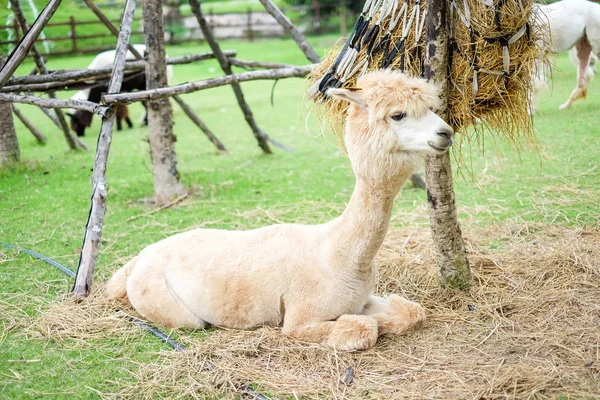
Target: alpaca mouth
point(440, 149)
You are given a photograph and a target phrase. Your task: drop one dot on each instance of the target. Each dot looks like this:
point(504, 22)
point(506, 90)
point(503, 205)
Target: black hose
point(72, 274)
point(47, 260)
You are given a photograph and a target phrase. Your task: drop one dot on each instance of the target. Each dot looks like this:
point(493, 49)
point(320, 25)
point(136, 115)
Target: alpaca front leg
point(349, 332)
point(394, 314)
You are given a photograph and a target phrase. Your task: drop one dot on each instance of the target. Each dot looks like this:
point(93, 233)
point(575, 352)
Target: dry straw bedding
point(529, 328)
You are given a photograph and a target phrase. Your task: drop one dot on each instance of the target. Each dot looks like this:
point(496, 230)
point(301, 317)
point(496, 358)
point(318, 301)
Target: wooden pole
point(73, 34)
point(137, 55)
point(50, 115)
point(260, 136)
point(453, 265)
point(9, 144)
point(20, 52)
point(287, 26)
point(130, 66)
point(73, 142)
point(160, 113)
point(35, 131)
point(188, 111)
point(249, 27)
point(55, 103)
point(93, 230)
point(343, 19)
point(159, 93)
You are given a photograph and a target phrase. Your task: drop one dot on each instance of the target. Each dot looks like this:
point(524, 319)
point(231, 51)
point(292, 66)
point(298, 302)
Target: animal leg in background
point(395, 314)
point(349, 332)
point(123, 114)
point(584, 77)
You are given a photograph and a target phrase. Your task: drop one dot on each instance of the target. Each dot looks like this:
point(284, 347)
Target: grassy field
point(44, 203)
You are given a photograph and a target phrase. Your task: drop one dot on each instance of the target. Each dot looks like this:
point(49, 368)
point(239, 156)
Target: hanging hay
point(492, 55)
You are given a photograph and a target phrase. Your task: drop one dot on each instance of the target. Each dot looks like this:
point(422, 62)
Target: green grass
point(44, 202)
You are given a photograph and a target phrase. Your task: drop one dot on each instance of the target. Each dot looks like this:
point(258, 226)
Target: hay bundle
point(492, 55)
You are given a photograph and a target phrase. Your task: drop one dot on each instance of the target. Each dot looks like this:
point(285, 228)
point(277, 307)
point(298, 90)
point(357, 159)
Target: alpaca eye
point(398, 117)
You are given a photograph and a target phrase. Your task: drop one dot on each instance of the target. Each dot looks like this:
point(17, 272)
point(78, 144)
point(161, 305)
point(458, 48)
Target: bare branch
point(93, 230)
point(143, 95)
point(28, 40)
point(35, 131)
point(56, 77)
point(56, 103)
point(287, 25)
point(257, 64)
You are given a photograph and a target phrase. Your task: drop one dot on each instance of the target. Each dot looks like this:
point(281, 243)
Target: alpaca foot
point(353, 332)
point(401, 316)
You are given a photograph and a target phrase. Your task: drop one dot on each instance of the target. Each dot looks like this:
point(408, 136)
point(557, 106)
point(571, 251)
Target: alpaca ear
point(353, 96)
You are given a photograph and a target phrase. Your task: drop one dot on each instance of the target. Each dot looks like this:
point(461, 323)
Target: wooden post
point(249, 28)
point(73, 142)
point(160, 113)
point(93, 230)
point(20, 52)
point(73, 34)
point(287, 26)
point(343, 19)
point(317, 14)
point(16, 29)
point(260, 136)
point(453, 265)
point(137, 55)
point(9, 145)
point(188, 111)
point(35, 131)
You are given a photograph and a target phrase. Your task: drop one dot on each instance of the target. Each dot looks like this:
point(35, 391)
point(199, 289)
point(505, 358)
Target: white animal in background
point(315, 281)
point(573, 25)
point(103, 60)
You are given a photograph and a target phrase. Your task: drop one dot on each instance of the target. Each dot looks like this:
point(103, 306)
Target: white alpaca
point(573, 25)
point(103, 60)
point(315, 281)
point(106, 59)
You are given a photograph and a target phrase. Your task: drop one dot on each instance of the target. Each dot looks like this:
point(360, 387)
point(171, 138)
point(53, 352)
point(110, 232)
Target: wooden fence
point(90, 36)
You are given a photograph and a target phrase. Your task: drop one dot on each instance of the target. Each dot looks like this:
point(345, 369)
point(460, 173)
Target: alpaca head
point(390, 122)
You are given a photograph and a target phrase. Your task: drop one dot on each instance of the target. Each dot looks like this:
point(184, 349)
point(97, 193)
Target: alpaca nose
point(447, 133)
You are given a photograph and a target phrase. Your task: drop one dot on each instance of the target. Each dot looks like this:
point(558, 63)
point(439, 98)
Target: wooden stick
point(49, 114)
point(56, 103)
point(110, 26)
point(287, 25)
point(20, 52)
point(167, 183)
point(93, 230)
point(188, 111)
point(35, 131)
point(143, 95)
point(19, 83)
point(451, 256)
point(73, 142)
point(260, 136)
point(256, 64)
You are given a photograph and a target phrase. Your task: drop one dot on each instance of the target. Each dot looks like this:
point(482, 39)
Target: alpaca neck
point(359, 232)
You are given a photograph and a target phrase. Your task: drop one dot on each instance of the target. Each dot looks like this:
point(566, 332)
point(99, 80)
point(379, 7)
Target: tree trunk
point(9, 146)
point(160, 112)
point(454, 270)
